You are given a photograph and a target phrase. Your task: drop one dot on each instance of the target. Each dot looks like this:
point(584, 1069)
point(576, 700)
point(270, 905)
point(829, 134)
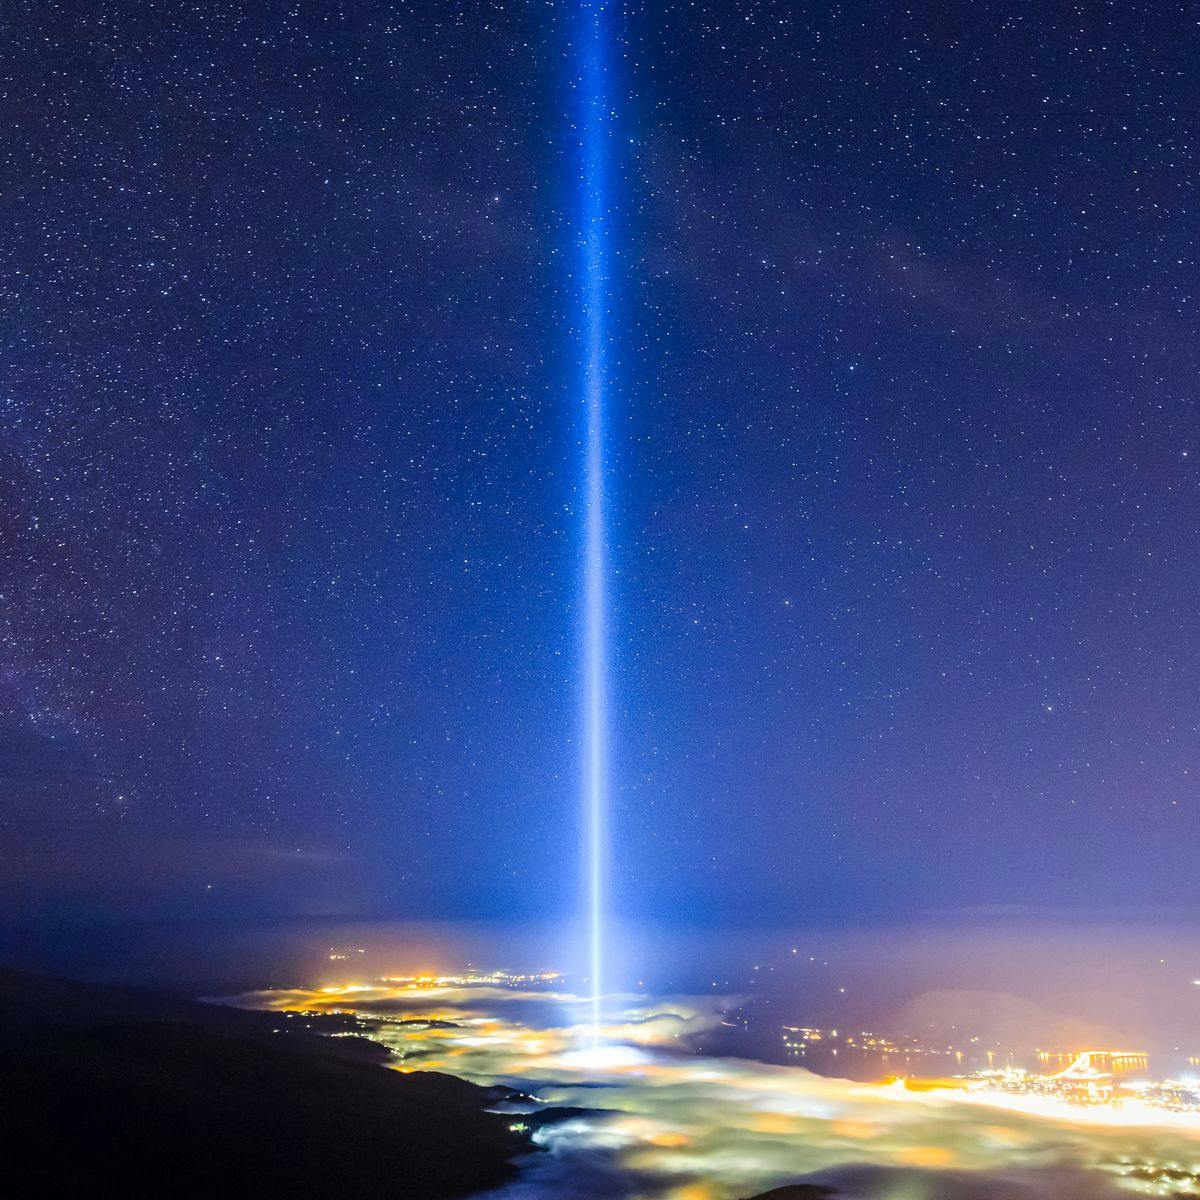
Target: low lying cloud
point(655, 1120)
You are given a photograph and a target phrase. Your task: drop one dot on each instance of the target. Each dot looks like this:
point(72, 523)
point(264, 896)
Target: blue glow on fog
point(594, 119)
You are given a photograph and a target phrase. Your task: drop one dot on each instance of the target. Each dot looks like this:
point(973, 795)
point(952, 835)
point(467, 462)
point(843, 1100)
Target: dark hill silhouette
point(112, 1091)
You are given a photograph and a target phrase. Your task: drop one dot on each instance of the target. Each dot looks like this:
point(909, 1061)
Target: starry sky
point(903, 459)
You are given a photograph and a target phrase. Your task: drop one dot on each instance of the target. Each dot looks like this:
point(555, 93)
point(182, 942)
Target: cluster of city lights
point(475, 979)
point(799, 1039)
point(1091, 1082)
point(648, 1105)
point(1112, 1078)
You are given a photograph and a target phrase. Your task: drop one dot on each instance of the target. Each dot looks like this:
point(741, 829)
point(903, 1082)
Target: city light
point(657, 1109)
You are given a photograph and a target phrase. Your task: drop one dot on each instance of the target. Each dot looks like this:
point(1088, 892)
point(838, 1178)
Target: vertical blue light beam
point(594, 119)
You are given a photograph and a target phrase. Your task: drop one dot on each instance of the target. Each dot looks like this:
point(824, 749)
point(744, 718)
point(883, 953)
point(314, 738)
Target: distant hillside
point(111, 1091)
point(996, 1018)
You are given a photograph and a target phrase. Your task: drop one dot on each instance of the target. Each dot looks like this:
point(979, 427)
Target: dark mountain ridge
point(140, 1093)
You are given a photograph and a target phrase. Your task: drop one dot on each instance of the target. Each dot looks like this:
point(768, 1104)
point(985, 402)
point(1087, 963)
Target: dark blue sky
point(904, 459)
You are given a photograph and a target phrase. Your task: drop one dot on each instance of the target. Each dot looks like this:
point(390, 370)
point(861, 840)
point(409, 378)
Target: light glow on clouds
point(659, 1121)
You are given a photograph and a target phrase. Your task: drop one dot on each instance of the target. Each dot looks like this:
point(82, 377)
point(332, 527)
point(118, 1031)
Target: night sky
point(904, 456)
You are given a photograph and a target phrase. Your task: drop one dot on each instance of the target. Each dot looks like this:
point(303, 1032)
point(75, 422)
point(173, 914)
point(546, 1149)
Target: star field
point(903, 459)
